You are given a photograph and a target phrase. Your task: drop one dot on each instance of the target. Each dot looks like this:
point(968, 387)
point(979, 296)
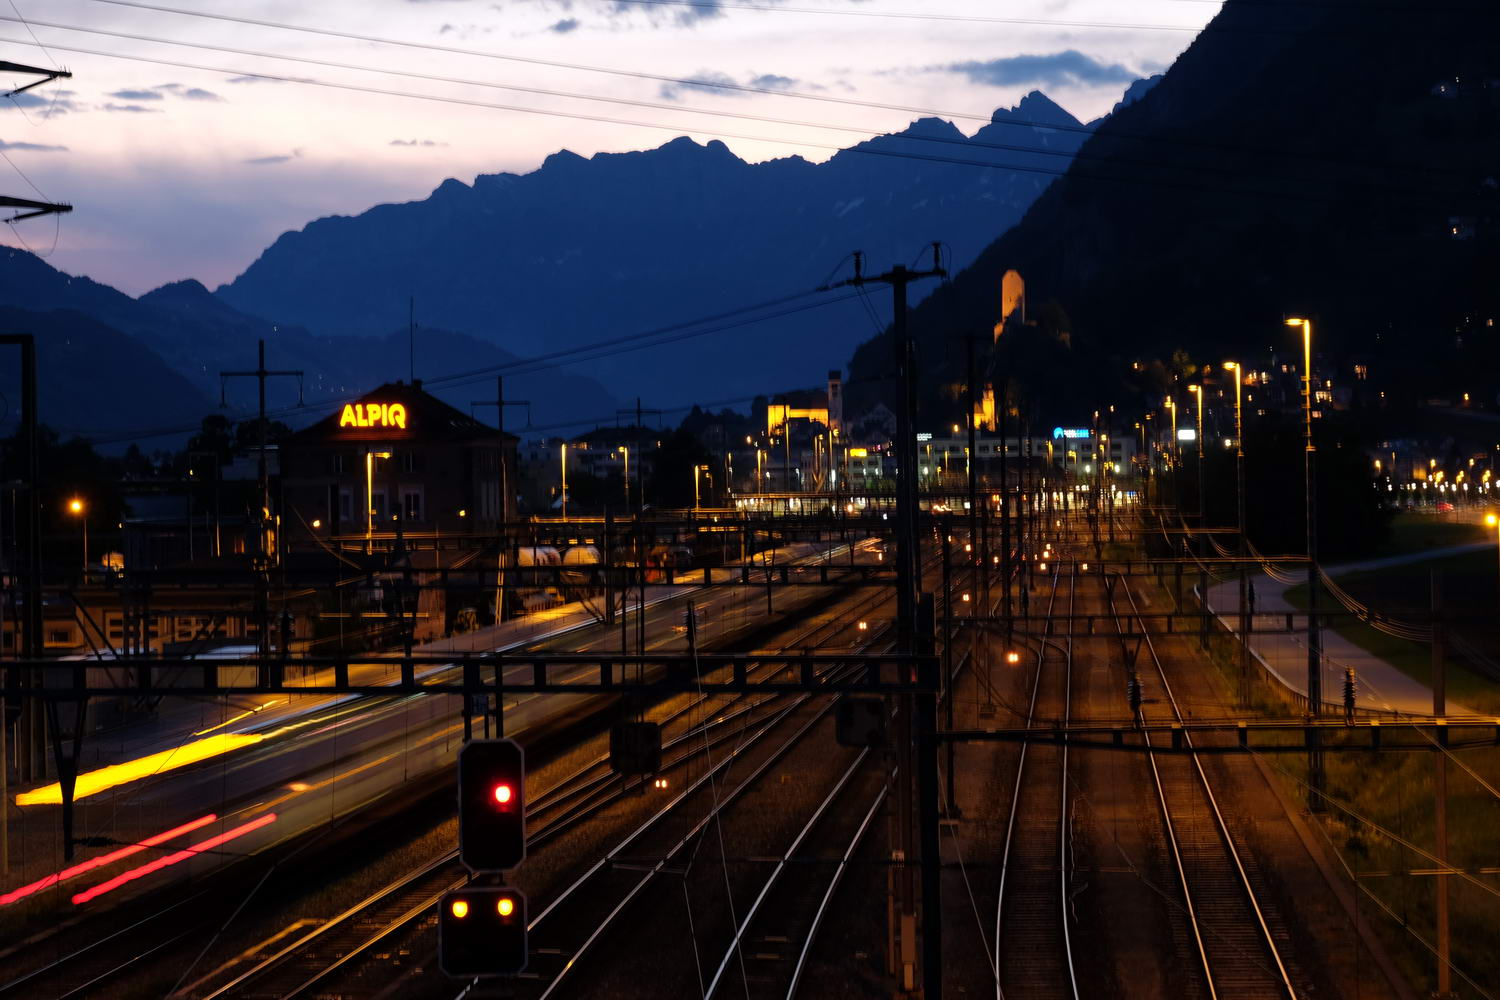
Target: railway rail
point(1235, 947)
point(1033, 954)
point(342, 946)
point(101, 961)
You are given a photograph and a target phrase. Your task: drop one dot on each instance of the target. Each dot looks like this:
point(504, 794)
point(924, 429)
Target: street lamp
point(565, 481)
point(1198, 391)
point(1494, 522)
point(1239, 447)
point(626, 452)
point(78, 510)
point(1314, 652)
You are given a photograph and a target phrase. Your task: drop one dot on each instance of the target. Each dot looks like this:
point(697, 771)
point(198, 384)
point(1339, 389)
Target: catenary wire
point(1298, 195)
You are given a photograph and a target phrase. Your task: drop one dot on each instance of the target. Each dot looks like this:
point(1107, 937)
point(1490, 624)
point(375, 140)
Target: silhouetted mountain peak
point(936, 128)
point(189, 291)
point(1135, 92)
point(1035, 108)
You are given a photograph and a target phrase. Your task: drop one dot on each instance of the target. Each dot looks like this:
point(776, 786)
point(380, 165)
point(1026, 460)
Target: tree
point(672, 471)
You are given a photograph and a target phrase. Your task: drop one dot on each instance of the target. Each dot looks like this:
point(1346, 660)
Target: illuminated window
point(1361, 372)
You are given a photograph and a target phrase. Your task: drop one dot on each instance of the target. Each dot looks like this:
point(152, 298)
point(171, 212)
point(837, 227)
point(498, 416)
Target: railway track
point(94, 967)
point(1033, 943)
point(1230, 945)
point(574, 922)
point(345, 945)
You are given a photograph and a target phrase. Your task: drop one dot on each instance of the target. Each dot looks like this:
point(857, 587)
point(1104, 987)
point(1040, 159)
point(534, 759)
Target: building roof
point(397, 411)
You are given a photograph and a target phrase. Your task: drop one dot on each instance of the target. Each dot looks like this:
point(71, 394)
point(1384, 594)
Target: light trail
point(171, 859)
point(104, 859)
point(94, 782)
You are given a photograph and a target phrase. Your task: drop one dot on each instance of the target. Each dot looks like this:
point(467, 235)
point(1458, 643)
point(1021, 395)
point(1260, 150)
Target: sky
point(187, 160)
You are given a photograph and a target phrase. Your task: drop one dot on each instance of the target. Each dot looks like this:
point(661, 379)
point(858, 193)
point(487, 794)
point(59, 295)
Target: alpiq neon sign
point(373, 415)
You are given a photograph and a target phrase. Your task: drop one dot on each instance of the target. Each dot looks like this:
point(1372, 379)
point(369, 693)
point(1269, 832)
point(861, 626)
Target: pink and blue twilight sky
point(182, 162)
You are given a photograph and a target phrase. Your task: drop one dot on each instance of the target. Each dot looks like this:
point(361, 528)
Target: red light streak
point(104, 859)
point(172, 859)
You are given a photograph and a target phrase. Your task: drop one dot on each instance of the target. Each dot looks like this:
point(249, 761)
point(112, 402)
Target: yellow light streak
point(94, 782)
point(243, 715)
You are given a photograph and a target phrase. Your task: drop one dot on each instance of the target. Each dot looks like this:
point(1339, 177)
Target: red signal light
point(503, 794)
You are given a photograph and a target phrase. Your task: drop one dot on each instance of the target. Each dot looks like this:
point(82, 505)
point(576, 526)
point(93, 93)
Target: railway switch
point(491, 805)
point(482, 931)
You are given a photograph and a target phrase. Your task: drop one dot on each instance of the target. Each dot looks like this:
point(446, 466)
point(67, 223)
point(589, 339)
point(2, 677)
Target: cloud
point(32, 147)
point(251, 79)
point(56, 100)
point(416, 142)
point(723, 85)
point(707, 81)
point(134, 109)
point(564, 26)
point(1069, 67)
point(161, 91)
point(773, 81)
point(261, 161)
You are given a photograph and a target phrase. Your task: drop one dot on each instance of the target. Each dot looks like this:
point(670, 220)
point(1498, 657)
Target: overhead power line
point(864, 150)
point(1275, 151)
point(912, 15)
point(672, 333)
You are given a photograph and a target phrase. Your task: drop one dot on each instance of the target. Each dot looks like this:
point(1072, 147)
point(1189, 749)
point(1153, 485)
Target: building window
point(377, 505)
point(338, 462)
point(411, 504)
point(58, 636)
point(408, 461)
point(346, 505)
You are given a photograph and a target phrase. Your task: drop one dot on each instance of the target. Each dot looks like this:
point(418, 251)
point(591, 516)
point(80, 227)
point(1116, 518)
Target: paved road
point(1379, 684)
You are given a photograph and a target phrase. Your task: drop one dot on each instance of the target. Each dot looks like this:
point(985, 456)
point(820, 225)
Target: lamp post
point(626, 452)
point(1244, 546)
point(565, 481)
point(1494, 522)
point(77, 509)
point(1200, 392)
point(1174, 453)
point(1314, 650)
point(697, 479)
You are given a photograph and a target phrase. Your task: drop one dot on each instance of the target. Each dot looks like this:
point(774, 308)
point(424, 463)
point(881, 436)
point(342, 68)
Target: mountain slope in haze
point(581, 250)
point(166, 349)
point(1340, 161)
point(93, 380)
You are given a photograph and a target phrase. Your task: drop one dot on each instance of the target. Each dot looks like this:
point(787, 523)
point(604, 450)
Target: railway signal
point(491, 805)
point(482, 931)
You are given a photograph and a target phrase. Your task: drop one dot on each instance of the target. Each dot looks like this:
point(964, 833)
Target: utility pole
point(263, 514)
point(500, 403)
point(1315, 774)
point(31, 612)
point(908, 581)
point(1440, 796)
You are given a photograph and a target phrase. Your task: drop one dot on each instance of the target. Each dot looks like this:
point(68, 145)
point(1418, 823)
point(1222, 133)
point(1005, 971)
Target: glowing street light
point(77, 509)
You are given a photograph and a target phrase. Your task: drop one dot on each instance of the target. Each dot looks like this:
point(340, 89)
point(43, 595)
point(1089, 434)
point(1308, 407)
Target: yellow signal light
point(460, 908)
point(506, 906)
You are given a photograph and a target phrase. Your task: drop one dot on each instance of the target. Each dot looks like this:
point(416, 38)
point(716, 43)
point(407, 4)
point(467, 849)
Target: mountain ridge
point(637, 240)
